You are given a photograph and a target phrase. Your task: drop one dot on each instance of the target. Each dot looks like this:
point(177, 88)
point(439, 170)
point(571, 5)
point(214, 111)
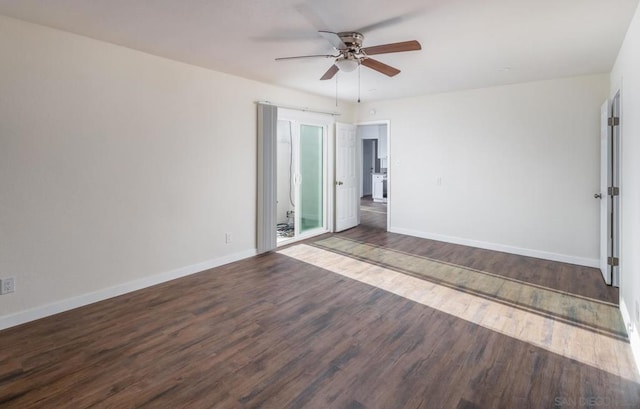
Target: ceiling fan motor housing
point(352, 40)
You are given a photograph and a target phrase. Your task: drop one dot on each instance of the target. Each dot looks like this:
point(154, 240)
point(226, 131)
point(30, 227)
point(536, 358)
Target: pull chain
point(337, 75)
point(358, 82)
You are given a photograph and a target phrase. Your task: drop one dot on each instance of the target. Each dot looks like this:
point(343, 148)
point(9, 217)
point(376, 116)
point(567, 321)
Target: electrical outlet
point(227, 238)
point(7, 285)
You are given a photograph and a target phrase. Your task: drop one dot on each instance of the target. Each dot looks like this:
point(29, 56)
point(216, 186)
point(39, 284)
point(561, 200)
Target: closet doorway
point(302, 177)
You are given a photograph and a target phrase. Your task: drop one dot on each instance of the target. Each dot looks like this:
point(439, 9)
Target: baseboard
point(100, 295)
point(632, 332)
point(581, 261)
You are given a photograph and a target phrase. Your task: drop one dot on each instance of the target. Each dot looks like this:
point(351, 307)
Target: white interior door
point(347, 187)
point(605, 202)
point(615, 182)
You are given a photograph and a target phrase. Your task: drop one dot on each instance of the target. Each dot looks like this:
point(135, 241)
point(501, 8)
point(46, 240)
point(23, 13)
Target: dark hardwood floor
point(373, 214)
point(274, 332)
point(565, 277)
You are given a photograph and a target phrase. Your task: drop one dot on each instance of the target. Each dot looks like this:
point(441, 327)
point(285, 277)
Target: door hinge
point(613, 121)
point(613, 261)
point(613, 191)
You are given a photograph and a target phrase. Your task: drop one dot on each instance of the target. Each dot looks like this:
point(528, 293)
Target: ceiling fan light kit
point(347, 65)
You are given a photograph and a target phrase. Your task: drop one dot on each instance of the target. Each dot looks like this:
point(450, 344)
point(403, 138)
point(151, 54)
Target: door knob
point(598, 196)
point(339, 183)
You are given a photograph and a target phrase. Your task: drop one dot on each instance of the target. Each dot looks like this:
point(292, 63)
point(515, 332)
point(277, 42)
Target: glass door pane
point(311, 175)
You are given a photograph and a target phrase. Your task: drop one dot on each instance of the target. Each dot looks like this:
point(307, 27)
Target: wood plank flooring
point(562, 323)
point(274, 331)
point(373, 214)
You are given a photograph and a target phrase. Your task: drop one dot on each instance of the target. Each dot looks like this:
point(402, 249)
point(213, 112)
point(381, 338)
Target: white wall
point(626, 78)
point(369, 131)
point(119, 169)
point(518, 166)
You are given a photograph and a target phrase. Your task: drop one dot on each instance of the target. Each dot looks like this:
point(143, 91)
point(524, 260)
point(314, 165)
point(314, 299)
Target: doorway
point(373, 140)
point(301, 178)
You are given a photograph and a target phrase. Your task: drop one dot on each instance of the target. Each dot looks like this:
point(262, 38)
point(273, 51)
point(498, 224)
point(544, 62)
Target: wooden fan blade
point(334, 39)
point(380, 67)
point(412, 45)
point(330, 72)
point(306, 56)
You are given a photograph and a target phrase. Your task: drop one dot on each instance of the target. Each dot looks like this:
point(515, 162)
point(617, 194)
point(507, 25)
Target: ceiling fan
point(351, 54)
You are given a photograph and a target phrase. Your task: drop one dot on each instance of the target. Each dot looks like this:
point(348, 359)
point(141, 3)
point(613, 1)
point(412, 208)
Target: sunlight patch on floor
point(603, 352)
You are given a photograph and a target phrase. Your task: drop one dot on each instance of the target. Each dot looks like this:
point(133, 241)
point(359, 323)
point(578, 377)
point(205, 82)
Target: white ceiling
point(466, 43)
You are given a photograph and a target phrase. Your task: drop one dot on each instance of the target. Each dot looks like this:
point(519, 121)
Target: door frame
point(389, 162)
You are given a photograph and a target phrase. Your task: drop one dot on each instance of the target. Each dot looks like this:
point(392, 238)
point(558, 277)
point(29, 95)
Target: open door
point(302, 184)
point(614, 193)
point(610, 191)
point(605, 203)
point(347, 184)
